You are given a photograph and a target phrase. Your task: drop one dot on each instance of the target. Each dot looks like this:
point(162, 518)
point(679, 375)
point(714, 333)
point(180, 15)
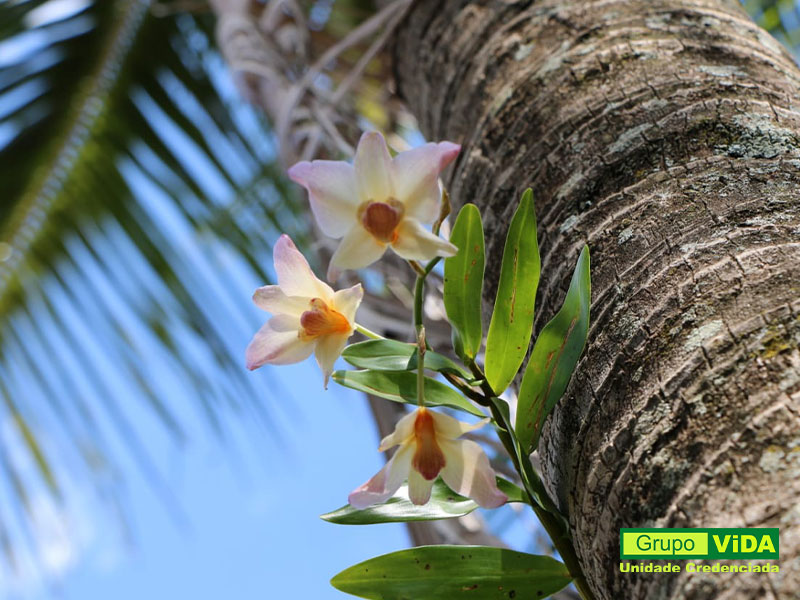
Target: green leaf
point(463, 282)
point(554, 356)
point(391, 355)
point(444, 504)
point(401, 386)
point(448, 572)
point(512, 319)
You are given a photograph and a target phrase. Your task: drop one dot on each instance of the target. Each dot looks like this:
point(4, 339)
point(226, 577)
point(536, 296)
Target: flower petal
point(272, 299)
point(347, 301)
point(449, 428)
point(419, 488)
point(416, 178)
point(373, 166)
point(277, 343)
point(332, 192)
point(414, 242)
point(402, 432)
point(295, 277)
point(356, 250)
point(468, 472)
point(329, 348)
point(385, 483)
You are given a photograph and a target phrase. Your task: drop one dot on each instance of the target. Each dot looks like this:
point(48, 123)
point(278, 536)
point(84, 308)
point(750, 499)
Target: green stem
point(544, 508)
point(464, 388)
point(530, 478)
point(368, 333)
point(431, 264)
point(419, 295)
point(559, 534)
point(421, 365)
point(419, 328)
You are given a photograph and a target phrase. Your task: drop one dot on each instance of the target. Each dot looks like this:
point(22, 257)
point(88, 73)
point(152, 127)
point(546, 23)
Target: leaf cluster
point(390, 369)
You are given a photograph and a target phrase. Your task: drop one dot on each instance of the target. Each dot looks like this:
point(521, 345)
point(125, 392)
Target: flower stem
point(443, 212)
point(417, 268)
point(368, 333)
point(419, 329)
point(421, 365)
point(419, 296)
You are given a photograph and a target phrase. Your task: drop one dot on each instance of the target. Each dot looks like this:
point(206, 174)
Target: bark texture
point(666, 135)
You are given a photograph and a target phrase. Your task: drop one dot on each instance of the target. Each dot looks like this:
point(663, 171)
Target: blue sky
point(250, 526)
point(213, 518)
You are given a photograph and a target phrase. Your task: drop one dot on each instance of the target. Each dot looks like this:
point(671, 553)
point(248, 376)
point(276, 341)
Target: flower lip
point(428, 459)
point(381, 219)
point(428, 448)
point(322, 320)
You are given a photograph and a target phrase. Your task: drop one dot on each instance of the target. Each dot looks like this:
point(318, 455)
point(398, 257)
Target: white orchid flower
point(429, 447)
point(308, 316)
point(378, 202)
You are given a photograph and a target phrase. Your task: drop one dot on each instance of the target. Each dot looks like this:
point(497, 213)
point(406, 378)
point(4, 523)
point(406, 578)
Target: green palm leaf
point(139, 201)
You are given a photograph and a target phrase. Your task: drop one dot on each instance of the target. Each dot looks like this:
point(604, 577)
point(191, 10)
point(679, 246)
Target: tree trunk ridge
point(666, 135)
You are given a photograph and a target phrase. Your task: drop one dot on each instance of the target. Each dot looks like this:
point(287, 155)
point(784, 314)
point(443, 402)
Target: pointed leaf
point(391, 355)
point(512, 319)
point(463, 282)
point(448, 572)
point(554, 356)
point(444, 504)
point(401, 386)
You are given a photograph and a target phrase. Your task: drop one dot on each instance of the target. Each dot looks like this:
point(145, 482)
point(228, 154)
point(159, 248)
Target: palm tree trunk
point(666, 135)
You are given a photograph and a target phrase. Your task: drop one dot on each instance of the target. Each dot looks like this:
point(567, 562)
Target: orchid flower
point(429, 447)
point(308, 316)
point(378, 202)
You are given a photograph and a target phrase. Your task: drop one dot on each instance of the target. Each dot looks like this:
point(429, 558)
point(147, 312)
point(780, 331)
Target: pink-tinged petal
point(332, 192)
point(416, 178)
point(295, 277)
point(402, 432)
point(272, 299)
point(414, 242)
point(347, 302)
point(357, 250)
point(277, 343)
point(419, 488)
point(373, 166)
point(468, 472)
point(385, 483)
point(449, 428)
point(329, 348)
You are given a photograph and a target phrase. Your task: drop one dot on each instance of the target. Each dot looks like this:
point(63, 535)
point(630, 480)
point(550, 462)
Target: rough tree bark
point(666, 134)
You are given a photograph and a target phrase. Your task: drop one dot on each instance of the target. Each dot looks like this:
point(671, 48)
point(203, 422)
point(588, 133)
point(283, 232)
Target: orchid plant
point(382, 202)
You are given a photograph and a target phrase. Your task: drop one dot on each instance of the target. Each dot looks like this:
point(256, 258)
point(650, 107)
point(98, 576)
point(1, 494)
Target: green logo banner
point(746, 543)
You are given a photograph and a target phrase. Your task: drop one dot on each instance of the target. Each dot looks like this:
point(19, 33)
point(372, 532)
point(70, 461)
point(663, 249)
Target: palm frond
point(140, 197)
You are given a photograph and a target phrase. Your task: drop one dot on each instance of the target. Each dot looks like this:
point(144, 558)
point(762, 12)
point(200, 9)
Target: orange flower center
point(428, 459)
point(381, 219)
point(322, 320)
